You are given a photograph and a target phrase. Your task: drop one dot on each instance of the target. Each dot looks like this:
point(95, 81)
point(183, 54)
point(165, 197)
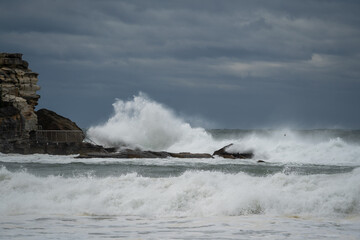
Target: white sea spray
point(296, 148)
point(144, 123)
point(194, 193)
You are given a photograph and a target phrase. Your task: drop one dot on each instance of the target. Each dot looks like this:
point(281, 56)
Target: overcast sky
point(233, 64)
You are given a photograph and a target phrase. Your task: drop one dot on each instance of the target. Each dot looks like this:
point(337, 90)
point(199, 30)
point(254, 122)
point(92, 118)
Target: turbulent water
point(308, 187)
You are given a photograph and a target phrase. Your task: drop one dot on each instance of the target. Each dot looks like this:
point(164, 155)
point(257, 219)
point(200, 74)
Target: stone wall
point(18, 98)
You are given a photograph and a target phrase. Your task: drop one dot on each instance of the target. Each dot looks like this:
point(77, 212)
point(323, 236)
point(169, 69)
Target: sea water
point(307, 188)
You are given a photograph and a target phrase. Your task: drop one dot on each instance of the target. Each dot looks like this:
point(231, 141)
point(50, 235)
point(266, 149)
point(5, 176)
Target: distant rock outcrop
point(136, 153)
point(222, 152)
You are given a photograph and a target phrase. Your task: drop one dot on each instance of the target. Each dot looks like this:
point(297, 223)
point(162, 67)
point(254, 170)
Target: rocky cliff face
point(19, 123)
point(18, 98)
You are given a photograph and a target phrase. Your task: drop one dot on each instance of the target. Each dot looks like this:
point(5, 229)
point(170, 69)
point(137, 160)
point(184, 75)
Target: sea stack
point(18, 98)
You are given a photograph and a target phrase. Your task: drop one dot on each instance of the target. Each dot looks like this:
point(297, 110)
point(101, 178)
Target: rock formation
point(223, 152)
point(49, 120)
point(136, 153)
point(18, 98)
point(19, 123)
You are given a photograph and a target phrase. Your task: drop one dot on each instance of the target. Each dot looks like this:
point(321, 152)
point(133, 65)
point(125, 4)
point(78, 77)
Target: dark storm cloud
point(261, 56)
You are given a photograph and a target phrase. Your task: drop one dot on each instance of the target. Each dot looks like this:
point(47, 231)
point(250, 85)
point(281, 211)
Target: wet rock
point(222, 152)
point(190, 155)
point(131, 153)
point(64, 148)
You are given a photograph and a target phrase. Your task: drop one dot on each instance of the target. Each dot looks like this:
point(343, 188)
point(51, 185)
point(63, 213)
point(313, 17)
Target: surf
point(191, 194)
point(143, 123)
point(149, 125)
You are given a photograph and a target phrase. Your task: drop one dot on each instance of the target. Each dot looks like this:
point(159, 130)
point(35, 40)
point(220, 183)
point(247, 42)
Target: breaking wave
point(146, 124)
point(194, 193)
point(149, 125)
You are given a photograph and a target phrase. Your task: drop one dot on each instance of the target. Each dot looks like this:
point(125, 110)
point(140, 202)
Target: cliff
point(18, 98)
point(22, 129)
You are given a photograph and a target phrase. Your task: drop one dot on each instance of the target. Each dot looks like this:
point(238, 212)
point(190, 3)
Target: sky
point(217, 64)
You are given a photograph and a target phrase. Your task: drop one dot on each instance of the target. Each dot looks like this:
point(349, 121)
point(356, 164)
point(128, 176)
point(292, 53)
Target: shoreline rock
point(130, 153)
point(222, 152)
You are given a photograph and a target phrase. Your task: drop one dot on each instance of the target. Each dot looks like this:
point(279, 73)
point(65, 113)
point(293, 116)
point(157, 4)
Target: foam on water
point(194, 193)
point(296, 148)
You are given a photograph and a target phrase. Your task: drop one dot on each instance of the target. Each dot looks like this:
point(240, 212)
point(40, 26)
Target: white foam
point(195, 193)
point(296, 148)
point(149, 125)
point(142, 122)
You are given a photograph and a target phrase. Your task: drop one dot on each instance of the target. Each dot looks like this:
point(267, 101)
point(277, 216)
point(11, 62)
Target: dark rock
point(64, 148)
point(49, 120)
point(11, 126)
point(13, 62)
point(222, 152)
point(190, 155)
point(10, 121)
point(8, 110)
point(11, 55)
point(126, 153)
point(130, 153)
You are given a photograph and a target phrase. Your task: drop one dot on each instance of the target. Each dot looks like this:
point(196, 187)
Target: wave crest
point(144, 123)
point(194, 193)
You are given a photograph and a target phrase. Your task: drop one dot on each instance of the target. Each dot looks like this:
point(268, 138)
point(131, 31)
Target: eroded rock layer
point(18, 98)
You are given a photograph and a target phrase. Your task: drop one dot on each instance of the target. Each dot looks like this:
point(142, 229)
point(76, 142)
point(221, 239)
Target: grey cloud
point(230, 51)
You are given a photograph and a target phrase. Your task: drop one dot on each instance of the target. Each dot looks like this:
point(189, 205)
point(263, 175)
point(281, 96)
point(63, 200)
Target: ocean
point(307, 188)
